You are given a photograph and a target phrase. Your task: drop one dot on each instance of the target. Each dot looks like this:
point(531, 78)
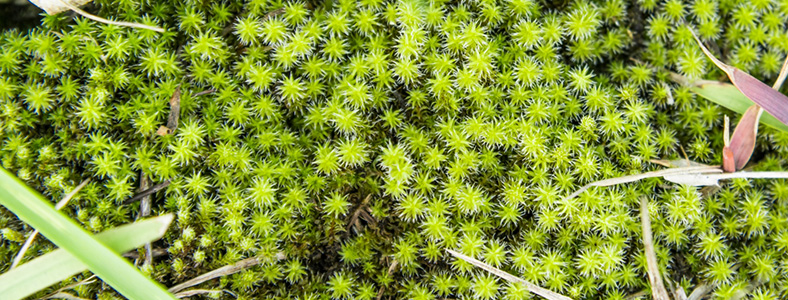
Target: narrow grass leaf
point(60, 204)
point(547, 294)
point(59, 265)
point(34, 210)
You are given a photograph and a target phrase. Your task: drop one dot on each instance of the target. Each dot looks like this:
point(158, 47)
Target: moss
point(363, 139)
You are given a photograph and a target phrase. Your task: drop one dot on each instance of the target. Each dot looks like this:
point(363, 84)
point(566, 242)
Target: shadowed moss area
point(18, 14)
point(352, 142)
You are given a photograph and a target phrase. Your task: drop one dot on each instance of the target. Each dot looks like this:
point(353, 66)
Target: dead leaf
point(770, 99)
point(742, 143)
point(163, 130)
point(175, 109)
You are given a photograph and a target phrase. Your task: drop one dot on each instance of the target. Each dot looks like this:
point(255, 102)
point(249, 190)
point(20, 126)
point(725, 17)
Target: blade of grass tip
point(742, 143)
point(547, 294)
point(60, 204)
point(59, 265)
point(658, 290)
point(783, 74)
point(33, 209)
point(770, 99)
point(85, 14)
point(641, 176)
point(223, 271)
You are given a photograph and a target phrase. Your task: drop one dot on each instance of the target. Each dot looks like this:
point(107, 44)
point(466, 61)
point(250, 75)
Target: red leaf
point(770, 99)
point(743, 139)
point(728, 162)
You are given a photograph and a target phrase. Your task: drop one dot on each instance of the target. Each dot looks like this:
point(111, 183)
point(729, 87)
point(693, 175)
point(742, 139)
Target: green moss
point(362, 139)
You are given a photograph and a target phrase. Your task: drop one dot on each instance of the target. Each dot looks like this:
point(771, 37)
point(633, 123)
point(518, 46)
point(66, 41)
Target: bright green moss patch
point(362, 139)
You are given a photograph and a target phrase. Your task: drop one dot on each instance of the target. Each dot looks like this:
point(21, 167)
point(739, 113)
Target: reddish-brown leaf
point(743, 139)
point(728, 162)
point(770, 99)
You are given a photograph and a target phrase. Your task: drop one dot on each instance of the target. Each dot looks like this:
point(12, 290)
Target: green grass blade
point(730, 97)
point(59, 265)
point(33, 209)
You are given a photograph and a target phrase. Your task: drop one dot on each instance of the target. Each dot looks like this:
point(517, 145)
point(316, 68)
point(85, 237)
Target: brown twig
point(205, 92)
point(392, 268)
point(175, 112)
point(147, 192)
point(154, 253)
point(658, 290)
point(354, 218)
point(144, 212)
point(223, 271)
point(195, 292)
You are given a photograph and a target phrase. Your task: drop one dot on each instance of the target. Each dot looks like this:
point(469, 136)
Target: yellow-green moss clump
point(352, 135)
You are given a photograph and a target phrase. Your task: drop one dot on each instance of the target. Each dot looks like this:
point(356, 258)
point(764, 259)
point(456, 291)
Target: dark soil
point(19, 15)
